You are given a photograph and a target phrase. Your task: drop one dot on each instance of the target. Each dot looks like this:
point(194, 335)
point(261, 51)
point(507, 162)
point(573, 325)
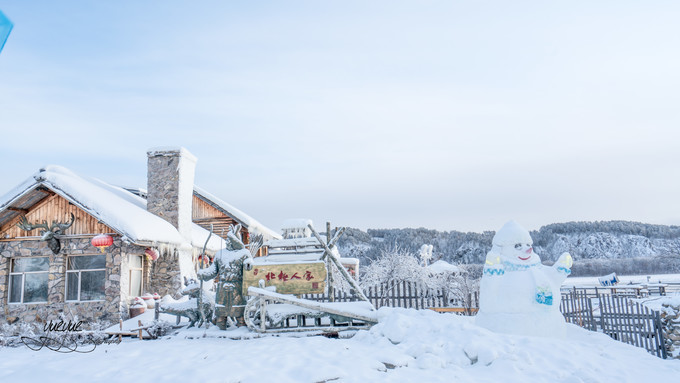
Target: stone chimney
point(170, 184)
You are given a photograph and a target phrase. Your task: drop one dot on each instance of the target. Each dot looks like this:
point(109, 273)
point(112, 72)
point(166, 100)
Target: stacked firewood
point(670, 319)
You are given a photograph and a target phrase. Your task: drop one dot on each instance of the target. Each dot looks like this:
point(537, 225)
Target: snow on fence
point(407, 295)
point(617, 316)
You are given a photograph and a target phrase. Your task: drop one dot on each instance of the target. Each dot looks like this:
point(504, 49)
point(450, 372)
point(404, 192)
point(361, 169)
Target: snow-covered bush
point(160, 328)
point(20, 333)
point(465, 287)
point(10, 334)
point(399, 265)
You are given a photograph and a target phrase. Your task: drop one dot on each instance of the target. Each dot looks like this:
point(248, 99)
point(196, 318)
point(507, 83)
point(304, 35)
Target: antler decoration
point(234, 237)
point(49, 233)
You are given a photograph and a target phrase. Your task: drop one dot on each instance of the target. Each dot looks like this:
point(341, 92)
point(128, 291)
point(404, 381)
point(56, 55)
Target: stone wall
point(165, 277)
point(670, 319)
point(111, 309)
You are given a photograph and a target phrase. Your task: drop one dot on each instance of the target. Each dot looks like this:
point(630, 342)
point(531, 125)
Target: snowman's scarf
point(542, 288)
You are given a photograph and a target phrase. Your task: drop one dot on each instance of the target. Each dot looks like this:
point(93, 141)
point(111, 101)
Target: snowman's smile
point(524, 259)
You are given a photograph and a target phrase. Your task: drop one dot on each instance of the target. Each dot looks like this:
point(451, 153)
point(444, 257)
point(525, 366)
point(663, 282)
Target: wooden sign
point(289, 278)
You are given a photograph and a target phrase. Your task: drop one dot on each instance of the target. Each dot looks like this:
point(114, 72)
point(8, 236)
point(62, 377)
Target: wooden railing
point(617, 316)
point(408, 295)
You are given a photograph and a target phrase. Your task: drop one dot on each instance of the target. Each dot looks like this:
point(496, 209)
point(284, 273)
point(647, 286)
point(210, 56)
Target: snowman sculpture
point(518, 294)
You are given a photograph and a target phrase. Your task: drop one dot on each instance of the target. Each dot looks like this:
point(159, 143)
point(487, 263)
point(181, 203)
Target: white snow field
point(623, 280)
point(406, 346)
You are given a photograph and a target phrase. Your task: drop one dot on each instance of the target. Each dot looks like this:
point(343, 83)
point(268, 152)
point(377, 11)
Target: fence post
point(591, 316)
point(659, 333)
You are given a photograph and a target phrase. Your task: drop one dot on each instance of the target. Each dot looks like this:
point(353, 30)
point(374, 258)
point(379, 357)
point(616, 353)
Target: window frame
point(79, 272)
point(141, 274)
point(12, 273)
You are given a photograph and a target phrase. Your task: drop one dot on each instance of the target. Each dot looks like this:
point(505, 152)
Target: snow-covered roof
point(199, 235)
point(443, 267)
point(293, 242)
point(250, 223)
point(288, 258)
point(296, 223)
point(114, 206)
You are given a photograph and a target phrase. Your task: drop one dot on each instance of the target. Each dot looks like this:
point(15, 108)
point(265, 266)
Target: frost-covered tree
point(399, 265)
point(425, 254)
point(394, 264)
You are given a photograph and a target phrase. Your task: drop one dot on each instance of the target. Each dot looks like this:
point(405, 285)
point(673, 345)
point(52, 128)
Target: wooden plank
point(57, 208)
point(453, 309)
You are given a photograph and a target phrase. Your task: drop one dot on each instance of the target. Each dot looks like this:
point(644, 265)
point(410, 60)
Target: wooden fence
point(632, 323)
point(405, 294)
point(617, 316)
point(577, 308)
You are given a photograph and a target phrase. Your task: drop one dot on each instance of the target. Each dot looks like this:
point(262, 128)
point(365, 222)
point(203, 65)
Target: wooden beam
point(341, 268)
point(454, 309)
point(18, 209)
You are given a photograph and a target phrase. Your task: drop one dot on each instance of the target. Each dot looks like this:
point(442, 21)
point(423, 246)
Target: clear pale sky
point(450, 115)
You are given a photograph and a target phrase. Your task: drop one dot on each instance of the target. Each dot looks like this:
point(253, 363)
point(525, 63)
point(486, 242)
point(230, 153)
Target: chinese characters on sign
point(308, 276)
point(289, 278)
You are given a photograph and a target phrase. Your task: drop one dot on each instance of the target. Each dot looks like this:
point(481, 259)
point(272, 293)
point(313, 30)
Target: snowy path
point(406, 346)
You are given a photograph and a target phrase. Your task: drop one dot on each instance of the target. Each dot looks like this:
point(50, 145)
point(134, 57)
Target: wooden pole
point(331, 288)
point(263, 313)
point(199, 301)
point(342, 270)
point(139, 323)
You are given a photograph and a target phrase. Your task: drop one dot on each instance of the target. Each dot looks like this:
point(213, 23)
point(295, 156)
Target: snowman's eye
point(518, 246)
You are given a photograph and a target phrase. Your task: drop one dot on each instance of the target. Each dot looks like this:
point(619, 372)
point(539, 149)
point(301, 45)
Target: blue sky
point(440, 114)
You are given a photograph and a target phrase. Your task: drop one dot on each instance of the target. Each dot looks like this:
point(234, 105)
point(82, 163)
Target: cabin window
point(28, 280)
point(85, 277)
point(136, 268)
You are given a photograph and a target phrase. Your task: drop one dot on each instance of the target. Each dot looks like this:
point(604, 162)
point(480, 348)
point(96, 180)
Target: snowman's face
point(521, 253)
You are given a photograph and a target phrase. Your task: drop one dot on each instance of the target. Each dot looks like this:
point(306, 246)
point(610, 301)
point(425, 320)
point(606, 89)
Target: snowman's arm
point(493, 265)
point(562, 268)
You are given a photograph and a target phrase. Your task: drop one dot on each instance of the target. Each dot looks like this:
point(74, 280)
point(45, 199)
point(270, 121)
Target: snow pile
point(406, 346)
point(424, 340)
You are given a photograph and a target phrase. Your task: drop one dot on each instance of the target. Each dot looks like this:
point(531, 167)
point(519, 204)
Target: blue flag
point(5, 29)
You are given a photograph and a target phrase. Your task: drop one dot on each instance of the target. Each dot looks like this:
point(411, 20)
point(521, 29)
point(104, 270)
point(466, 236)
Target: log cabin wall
point(204, 214)
point(56, 208)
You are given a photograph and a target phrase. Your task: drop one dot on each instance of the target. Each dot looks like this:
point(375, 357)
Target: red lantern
point(205, 259)
point(102, 241)
point(151, 253)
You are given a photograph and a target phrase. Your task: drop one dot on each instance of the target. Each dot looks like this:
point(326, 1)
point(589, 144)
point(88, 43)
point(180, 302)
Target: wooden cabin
point(41, 279)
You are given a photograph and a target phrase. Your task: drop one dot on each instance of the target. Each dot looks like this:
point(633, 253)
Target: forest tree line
point(598, 248)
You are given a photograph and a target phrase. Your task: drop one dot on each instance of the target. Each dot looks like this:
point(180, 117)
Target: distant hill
point(597, 247)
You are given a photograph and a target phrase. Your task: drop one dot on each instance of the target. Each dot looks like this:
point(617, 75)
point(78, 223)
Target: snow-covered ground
point(624, 279)
point(406, 346)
